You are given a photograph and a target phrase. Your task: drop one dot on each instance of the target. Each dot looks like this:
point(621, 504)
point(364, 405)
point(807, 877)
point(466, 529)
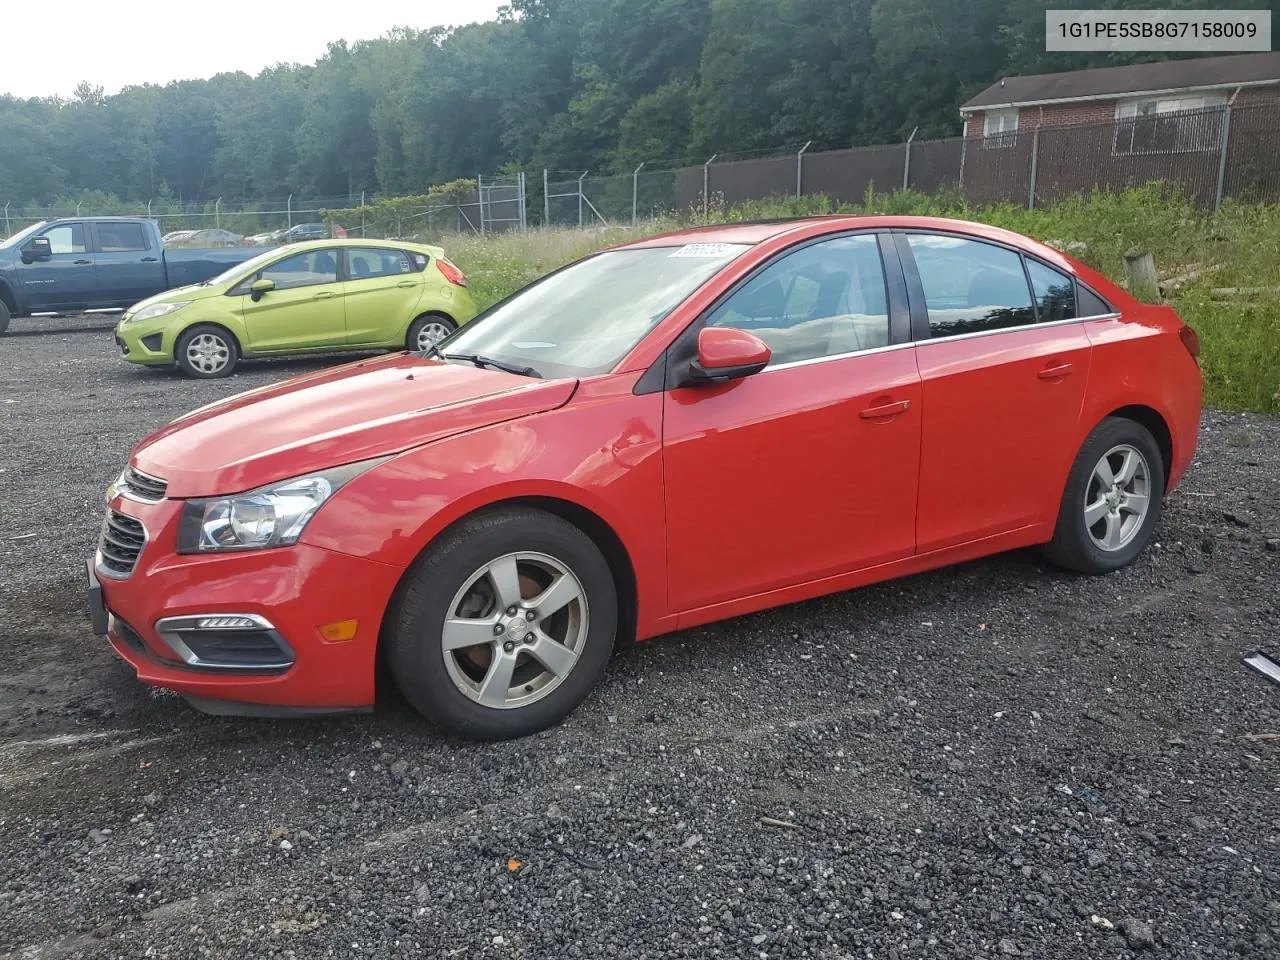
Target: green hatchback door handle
point(324, 295)
point(406, 283)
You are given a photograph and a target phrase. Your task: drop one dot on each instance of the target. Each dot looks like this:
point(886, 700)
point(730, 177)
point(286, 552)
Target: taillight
point(450, 272)
point(1191, 340)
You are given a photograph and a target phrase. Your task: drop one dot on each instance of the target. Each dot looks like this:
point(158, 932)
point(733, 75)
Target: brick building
point(1144, 100)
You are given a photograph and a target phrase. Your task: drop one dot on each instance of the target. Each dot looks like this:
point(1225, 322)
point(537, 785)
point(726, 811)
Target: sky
point(50, 47)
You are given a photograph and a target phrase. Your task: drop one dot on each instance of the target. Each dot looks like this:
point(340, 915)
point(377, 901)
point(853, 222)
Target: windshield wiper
point(480, 360)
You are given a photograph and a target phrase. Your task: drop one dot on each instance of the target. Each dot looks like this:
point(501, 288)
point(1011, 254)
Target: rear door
point(129, 268)
point(382, 289)
point(66, 280)
point(1003, 375)
point(304, 311)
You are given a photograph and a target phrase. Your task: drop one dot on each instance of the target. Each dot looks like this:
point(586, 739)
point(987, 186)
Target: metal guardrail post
point(906, 160)
point(1222, 155)
point(1035, 155)
point(635, 192)
point(800, 169)
point(706, 184)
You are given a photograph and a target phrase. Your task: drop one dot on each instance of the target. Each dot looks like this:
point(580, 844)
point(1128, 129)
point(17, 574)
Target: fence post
point(6, 219)
point(1035, 154)
point(288, 205)
point(580, 179)
point(546, 200)
point(524, 220)
point(148, 208)
point(78, 208)
point(706, 184)
point(800, 169)
point(217, 213)
point(1222, 156)
point(635, 192)
point(906, 160)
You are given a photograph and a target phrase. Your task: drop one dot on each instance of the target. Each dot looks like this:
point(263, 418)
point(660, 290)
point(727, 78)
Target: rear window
point(120, 237)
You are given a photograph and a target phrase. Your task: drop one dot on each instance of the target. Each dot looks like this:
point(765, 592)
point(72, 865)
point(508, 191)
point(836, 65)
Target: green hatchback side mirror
point(261, 286)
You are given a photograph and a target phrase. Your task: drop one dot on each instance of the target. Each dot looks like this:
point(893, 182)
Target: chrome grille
point(142, 486)
point(120, 544)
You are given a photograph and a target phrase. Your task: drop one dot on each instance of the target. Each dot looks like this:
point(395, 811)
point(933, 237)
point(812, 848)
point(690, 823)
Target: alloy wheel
point(208, 353)
point(515, 630)
point(431, 333)
point(1117, 498)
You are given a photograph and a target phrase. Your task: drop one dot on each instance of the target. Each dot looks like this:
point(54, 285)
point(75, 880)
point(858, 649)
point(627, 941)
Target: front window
point(304, 270)
point(246, 269)
point(584, 319)
point(66, 238)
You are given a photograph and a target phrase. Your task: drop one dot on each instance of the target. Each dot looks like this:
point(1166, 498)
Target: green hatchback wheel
point(428, 330)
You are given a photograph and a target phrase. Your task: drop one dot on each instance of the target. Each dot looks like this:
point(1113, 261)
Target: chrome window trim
point(97, 553)
point(922, 343)
point(169, 629)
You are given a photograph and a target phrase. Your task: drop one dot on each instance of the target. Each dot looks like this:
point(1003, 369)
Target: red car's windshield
point(582, 320)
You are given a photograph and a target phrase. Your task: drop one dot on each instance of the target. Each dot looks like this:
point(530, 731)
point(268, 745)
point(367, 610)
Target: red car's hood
point(342, 415)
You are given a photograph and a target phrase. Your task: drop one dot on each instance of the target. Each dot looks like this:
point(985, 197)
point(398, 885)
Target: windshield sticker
point(705, 250)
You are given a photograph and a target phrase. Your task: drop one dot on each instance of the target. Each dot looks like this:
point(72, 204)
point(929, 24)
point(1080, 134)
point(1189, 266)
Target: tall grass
point(1240, 336)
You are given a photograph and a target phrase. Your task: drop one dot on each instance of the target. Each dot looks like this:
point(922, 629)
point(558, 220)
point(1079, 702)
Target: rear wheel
point(504, 626)
point(206, 351)
point(5, 316)
point(428, 330)
point(1112, 501)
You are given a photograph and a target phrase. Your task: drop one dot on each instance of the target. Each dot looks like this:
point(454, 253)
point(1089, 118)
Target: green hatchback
point(317, 297)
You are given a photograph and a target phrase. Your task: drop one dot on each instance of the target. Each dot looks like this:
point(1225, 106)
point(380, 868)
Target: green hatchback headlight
point(271, 516)
point(151, 311)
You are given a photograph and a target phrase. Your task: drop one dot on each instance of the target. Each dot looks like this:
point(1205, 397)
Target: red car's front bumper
point(299, 591)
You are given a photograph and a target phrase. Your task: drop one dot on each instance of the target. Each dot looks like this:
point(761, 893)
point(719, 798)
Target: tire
point(1121, 524)
point(204, 338)
point(5, 317)
point(428, 330)
point(458, 579)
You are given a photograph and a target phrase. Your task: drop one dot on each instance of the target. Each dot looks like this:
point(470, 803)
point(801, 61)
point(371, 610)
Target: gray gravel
point(996, 760)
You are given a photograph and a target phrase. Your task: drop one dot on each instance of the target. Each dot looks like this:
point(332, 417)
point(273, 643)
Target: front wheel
point(1112, 501)
point(503, 627)
point(206, 351)
point(4, 316)
point(428, 330)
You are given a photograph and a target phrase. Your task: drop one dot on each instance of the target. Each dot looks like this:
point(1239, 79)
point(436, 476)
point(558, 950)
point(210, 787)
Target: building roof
point(1248, 69)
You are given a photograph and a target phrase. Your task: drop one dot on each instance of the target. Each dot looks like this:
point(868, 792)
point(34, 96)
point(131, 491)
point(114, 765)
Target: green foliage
point(572, 85)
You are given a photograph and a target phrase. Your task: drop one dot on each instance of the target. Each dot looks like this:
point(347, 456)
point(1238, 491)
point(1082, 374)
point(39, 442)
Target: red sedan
point(671, 432)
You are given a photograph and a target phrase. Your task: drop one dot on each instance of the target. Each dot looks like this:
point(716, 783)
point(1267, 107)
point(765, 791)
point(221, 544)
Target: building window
point(1169, 125)
point(1000, 128)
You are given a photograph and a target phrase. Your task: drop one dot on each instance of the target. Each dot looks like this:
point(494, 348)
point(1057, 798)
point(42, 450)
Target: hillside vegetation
point(1240, 336)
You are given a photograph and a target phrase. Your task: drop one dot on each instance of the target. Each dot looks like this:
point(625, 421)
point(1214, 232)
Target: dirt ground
point(993, 760)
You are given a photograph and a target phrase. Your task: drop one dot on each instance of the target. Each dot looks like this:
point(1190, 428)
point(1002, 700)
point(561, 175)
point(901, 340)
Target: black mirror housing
point(38, 248)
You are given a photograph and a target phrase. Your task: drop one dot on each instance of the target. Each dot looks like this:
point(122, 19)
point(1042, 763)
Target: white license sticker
point(704, 250)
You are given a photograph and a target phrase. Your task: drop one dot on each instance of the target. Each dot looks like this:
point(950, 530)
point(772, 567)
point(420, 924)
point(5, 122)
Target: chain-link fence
point(1210, 155)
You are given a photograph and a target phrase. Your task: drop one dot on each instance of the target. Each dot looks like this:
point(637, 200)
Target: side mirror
point(726, 354)
point(38, 248)
point(259, 287)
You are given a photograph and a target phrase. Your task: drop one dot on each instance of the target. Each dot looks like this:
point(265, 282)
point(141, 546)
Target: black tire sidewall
point(1072, 539)
point(180, 351)
point(411, 338)
point(5, 317)
point(414, 652)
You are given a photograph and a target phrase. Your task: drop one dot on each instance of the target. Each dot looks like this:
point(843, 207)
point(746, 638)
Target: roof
point(1247, 69)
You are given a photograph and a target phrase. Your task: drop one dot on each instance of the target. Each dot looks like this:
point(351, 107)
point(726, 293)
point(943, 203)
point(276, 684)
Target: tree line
point(562, 84)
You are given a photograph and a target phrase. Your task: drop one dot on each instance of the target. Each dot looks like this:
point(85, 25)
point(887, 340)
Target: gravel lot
point(990, 761)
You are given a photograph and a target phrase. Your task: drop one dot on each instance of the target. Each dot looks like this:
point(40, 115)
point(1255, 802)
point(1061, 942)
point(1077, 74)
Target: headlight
point(151, 311)
point(271, 516)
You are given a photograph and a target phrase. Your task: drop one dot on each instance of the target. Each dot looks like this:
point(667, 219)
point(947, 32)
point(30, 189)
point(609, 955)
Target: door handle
point(1055, 371)
point(406, 283)
point(149, 259)
point(882, 410)
point(324, 295)
point(82, 263)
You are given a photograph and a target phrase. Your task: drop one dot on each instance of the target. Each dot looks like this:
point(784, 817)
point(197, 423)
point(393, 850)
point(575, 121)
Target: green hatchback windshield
point(584, 319)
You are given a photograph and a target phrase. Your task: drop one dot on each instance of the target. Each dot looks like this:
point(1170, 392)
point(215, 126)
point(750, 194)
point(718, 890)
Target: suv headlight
point(271, 516)
point(151, 311)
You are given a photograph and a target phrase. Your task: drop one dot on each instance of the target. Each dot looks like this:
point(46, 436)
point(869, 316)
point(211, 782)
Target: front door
point(129, 269)
point(807, 469)
point(305, 310)
point(66, 280)
point(381, 289)
point(1004, 376)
